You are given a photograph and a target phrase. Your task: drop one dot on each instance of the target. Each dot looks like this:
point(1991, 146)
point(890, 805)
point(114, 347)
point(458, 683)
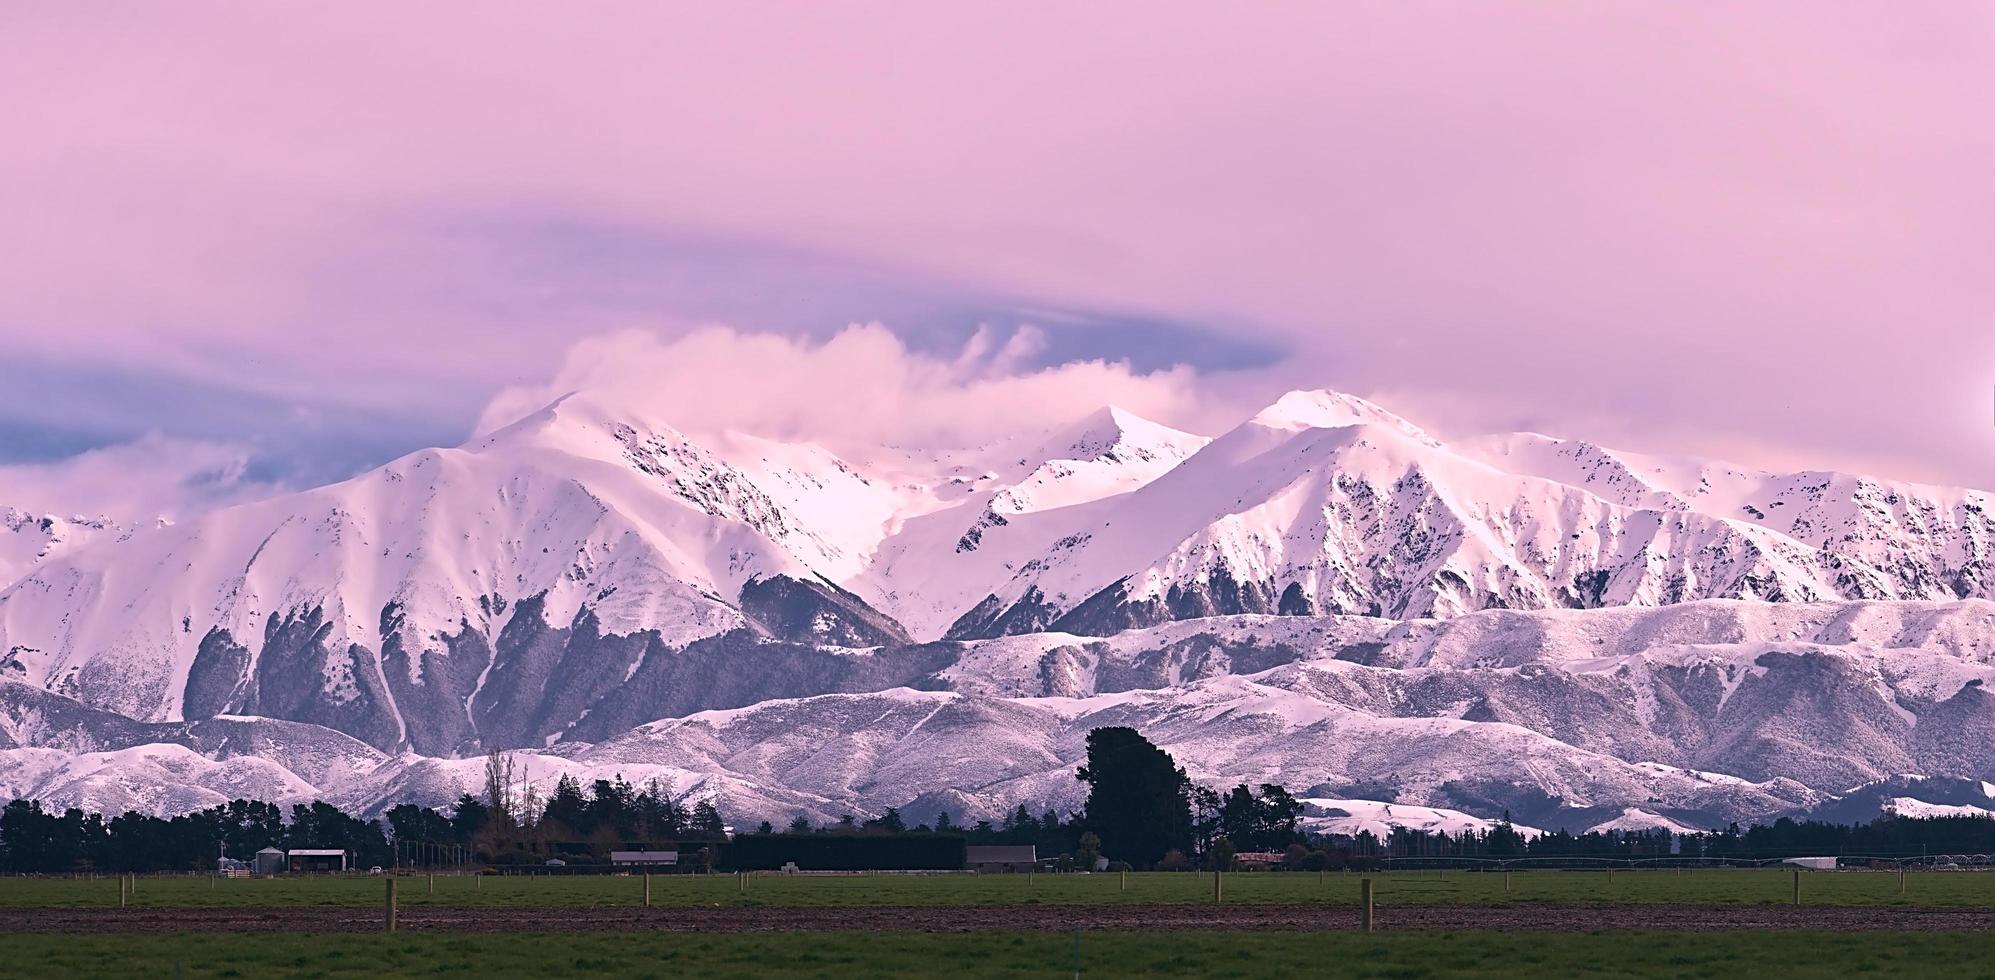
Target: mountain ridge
point(586, 579)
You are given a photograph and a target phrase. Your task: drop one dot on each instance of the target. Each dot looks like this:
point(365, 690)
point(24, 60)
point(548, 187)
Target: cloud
point(135, 482)
point(862, 386)
point(1747, 221)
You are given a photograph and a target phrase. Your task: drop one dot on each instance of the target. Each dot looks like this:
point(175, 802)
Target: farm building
point(644, 858)
point(1257, 860)
point(1003, 857)
point(316, 859)
point(268, 861)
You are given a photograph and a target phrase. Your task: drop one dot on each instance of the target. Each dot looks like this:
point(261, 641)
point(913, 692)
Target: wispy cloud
point(135, 482)
point(862, 386)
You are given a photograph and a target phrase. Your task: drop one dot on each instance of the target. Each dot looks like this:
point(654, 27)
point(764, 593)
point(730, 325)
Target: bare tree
point(501, 775)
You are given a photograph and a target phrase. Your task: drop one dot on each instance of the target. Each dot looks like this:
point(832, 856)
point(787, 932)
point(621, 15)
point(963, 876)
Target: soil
point(1519, 917)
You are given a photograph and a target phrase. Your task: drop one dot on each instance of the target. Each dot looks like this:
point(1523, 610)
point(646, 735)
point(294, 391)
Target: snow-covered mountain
point(1624, 717)
point(1326, 596)
point(501, 591)
point(27, 540)
point(1327, 503)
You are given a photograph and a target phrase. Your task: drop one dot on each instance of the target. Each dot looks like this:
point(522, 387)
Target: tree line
point(1144, 810)
point(1141, 811)
point(510, 825)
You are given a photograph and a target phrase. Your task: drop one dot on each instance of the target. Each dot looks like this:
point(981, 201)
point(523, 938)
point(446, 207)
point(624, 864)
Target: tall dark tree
point(567, 812)
point(660, 817)
point(469, 818)
point(410, 822)
point(322, 825)
point(1138, 798)
point(248, 826)
point(37, 840)
point(706, 822)
point(889, 822)
point(1268, 822)
point(613, 806)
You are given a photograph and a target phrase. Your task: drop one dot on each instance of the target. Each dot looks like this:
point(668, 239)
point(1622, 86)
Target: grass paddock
point(1403, 957)
point(1706, 886)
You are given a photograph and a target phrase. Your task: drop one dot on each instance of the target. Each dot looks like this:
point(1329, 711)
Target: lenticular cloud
point(863, 385)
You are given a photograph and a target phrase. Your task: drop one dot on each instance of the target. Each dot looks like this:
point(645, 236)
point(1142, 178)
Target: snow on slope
point(158, 778)
point(939, 564)
point(398, 589)
point(1326, 503)
point(646, 530)
point(1353, 817)
point(1326, 568)
point(1691, 731)
point(1908, 807)
point(27, 540)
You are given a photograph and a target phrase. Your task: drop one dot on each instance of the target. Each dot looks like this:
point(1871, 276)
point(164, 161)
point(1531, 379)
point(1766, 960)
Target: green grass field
point(1621, 954)
point(1726, 886)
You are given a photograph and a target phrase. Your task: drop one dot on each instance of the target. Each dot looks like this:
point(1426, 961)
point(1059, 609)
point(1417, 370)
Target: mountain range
point(1326, 596)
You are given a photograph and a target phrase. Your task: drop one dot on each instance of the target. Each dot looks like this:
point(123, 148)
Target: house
point(1258, 860)
point(644, 858)
point(268, 861)
point(316, 860)
point(1003, 857)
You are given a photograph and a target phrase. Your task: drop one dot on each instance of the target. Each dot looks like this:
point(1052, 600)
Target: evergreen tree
point(469, 818)
point(567, 811)
point(706, 821)
point(1138, 798)
point(613, 807)
point(889, 822)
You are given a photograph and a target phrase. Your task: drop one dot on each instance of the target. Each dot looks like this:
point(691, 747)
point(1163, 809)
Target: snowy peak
point(1326, 503)
point(544, 575)
point(941, 563)
point(1115, 434)
point(27, 540)
point(1325, 409)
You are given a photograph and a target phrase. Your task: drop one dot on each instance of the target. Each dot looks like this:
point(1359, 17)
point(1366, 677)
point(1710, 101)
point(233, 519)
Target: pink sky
point(1754, 230)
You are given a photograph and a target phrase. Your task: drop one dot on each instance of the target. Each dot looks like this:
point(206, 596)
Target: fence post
point(647, 889)
point(1506, 881)
point(1125, 879)
point(1797, 886)
point(1215, 884)
point(121, 891)
point(741, 877)
point(1365, 904)
point(1901, 879)
point(390, 910)
point(432, 883)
